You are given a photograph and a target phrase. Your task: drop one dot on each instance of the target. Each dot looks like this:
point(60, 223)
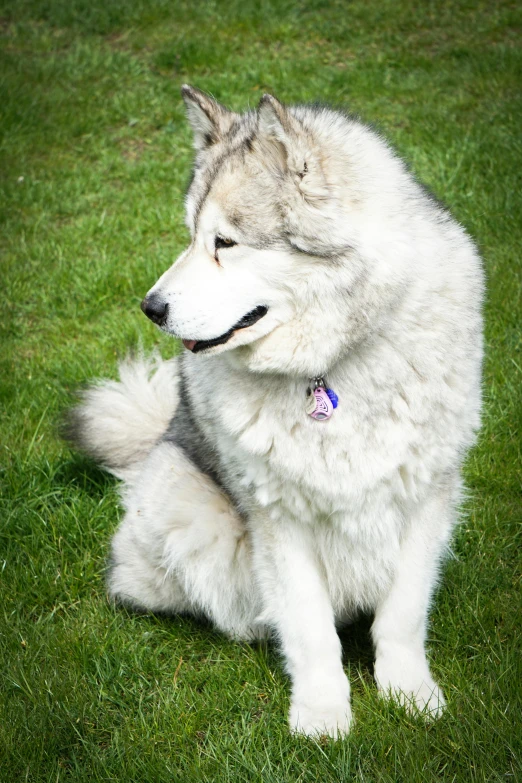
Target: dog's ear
point(273, 129)
point(289, 149)
point(274, 119)
point(208, 119)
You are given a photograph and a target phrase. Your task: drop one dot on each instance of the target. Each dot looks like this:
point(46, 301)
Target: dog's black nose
point(155, 308)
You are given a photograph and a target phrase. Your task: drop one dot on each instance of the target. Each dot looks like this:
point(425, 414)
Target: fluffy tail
point(118, 422)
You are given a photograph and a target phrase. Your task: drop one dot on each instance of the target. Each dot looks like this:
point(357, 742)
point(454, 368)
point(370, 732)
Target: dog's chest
point(295, 466)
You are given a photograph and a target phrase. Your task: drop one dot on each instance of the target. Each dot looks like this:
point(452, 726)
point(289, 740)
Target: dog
point(300, 463)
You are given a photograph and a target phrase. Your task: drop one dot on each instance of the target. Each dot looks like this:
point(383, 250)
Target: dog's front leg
point(298, 607)
point(399, 628)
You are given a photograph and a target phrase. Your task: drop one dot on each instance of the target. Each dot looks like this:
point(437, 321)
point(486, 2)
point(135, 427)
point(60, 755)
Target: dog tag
point(323, 407)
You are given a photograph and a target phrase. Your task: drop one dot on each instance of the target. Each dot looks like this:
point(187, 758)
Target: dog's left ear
point(289, 149)
point(208, 118)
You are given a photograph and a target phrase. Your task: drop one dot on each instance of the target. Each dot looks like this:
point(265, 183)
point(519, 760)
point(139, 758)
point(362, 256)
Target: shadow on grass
point(357, 644)
point(355, 638)
point(81, 472)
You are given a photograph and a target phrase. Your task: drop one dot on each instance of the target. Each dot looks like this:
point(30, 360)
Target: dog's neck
point(314, 343)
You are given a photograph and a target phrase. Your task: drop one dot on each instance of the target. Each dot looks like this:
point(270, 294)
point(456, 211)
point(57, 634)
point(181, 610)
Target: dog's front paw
point(405, 677)
point(316, 719)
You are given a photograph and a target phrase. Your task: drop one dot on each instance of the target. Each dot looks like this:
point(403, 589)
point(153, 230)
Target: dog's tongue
point(189, 344)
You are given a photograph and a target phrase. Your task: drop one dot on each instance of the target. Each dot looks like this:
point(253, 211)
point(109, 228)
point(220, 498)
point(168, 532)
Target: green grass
point(95, 155)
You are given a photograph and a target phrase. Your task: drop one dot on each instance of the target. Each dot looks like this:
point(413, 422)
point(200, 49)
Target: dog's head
point(274, 267)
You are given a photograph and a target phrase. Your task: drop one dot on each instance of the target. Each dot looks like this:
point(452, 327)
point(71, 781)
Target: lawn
point(95, 157)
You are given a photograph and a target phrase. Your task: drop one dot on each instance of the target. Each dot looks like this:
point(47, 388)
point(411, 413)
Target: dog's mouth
point(249, 319)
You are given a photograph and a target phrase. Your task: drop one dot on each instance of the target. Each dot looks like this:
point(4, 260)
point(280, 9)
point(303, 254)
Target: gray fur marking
point(186, 434)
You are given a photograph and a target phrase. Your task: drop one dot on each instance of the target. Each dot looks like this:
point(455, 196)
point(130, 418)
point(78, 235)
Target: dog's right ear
point(208, 119)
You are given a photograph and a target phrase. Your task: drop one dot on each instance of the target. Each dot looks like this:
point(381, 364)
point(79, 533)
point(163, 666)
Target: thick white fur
point(334, 517)
point(120, 421)
point(182, 548)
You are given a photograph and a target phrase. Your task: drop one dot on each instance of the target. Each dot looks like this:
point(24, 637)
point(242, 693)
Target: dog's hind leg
point(183, 547)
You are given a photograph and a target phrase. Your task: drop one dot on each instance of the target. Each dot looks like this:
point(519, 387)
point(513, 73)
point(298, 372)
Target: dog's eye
point(222, 242)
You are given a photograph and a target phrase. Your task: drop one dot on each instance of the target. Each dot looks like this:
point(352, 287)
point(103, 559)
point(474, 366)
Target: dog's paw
point(314, 720)
point(405, 677)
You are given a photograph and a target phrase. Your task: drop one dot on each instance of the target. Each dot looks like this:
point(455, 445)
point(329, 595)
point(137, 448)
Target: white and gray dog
point(301, 461)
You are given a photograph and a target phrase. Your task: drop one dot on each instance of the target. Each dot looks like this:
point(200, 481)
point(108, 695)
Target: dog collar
point(320, 400)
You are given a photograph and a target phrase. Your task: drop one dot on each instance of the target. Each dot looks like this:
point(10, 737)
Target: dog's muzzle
point(157, 310)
